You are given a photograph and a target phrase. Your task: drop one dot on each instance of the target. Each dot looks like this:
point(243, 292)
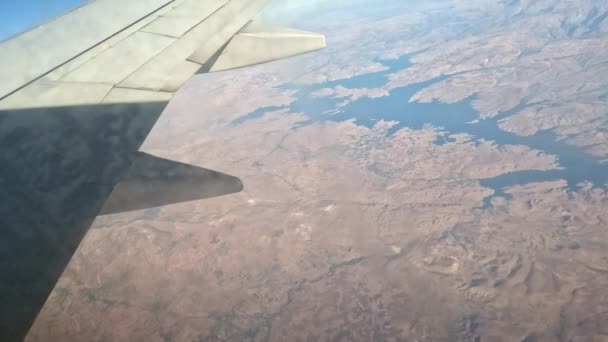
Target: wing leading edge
point(79, 96)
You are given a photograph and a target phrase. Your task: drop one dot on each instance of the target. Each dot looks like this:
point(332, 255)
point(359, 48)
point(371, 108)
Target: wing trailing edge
point(258, 43)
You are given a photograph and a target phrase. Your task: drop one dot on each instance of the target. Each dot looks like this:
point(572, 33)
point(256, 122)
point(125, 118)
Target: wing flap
point(118, 62)
point(175, 65)
point(93, 52)
point(223, 26)
point(55, 94)
point(257, 43)
point(127, 95)
point(183, 17)
point(40, 50)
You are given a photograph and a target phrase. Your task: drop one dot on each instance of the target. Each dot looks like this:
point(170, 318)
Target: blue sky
point(18, 15)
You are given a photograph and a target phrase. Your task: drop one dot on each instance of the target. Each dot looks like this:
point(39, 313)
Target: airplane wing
point(79, 94)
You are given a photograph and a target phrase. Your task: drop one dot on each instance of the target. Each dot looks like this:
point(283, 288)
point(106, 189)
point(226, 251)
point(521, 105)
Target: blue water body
point(258, 113)
point(371, 80)
point(575, 164)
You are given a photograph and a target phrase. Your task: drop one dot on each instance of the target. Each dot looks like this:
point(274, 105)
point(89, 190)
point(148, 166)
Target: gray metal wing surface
point(79, 94)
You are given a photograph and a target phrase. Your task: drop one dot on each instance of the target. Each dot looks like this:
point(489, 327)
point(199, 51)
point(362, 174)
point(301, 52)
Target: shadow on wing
point(153, 182)
point(58, 167)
